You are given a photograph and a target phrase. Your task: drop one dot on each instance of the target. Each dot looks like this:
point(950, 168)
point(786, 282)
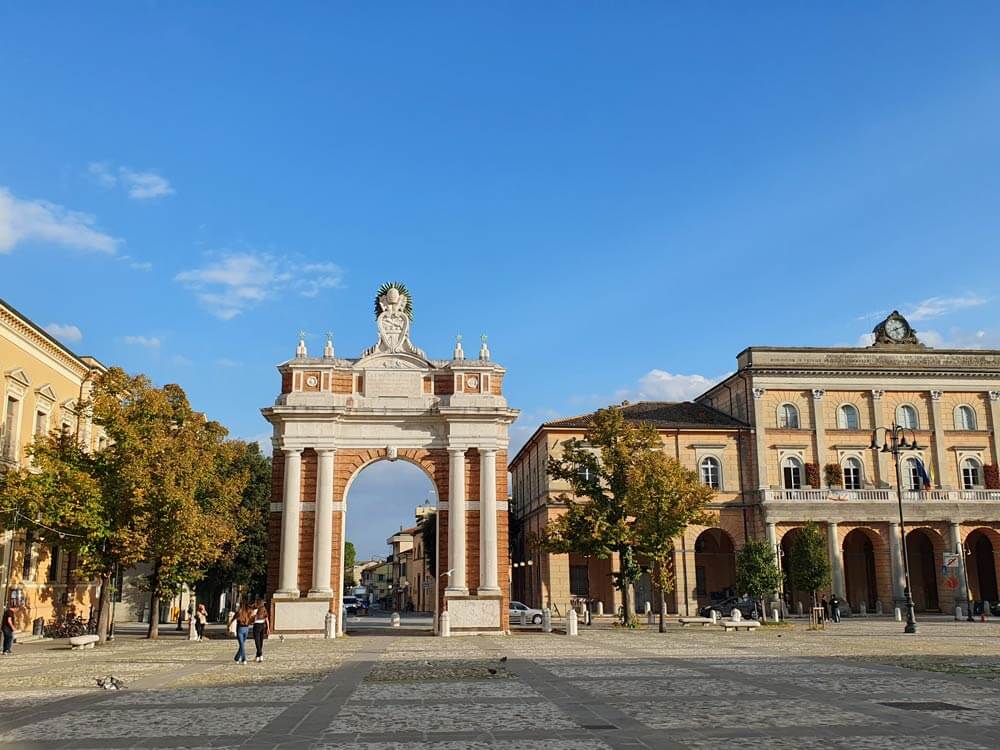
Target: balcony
point(879, 496)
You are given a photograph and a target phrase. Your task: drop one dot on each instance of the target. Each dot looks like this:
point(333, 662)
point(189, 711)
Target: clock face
point(896, 329)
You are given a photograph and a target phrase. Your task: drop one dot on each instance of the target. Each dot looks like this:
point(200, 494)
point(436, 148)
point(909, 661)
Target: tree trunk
point(104, 608)
point(628, 611)
point(663, 612)
point(154, 603)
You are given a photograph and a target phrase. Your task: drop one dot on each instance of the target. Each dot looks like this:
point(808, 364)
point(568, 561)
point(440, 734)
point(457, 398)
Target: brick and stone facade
point(336, 416)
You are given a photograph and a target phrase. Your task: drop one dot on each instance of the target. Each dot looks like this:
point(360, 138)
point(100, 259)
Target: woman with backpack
point(243, 619)
point(261, 627)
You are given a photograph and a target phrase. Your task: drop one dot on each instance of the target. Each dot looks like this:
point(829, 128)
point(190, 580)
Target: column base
point(305, 616)
point(320, 594)
point(286, 594)
point(488, 591)
point(456, 592)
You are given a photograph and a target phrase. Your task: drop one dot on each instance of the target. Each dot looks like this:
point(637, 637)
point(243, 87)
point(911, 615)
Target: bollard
point(878, 607)
point(600, 609)
point(330, 626)
point(394, 620)
point(192, 631)
point(958, 612)
point(524, 617)
point(798, 608)
point(649, 608)
point(586, 618)
point(444, 625)
point(863, 609)
point(774, 615)
point(897, 614)
point(546, 620)
point(649, 616)
point(571, 626)
point(713, 616)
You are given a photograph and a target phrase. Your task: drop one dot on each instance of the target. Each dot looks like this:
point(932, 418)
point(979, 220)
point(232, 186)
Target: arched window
point(848, 418)
point(853, 474)
point(711, 472)
point(911, 475)
point(972, 474)
point(791, 473)
point(965, 418)
point(906, 416)
point(788, 417)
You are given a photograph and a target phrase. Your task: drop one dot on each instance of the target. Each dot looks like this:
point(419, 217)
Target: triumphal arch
point(335, 416)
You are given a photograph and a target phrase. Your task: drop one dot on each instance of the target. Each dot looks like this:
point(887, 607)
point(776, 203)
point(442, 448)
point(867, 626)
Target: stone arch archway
point(864, 554)
point(983, 561)
point(335, 416)
point(715, 566)
point(923, 548)
point(793, 597)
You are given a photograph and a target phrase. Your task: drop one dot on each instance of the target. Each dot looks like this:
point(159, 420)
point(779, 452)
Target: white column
point(488, 522)
point(962, 595)
point(759, 439)
point(771, 530)
point(938, 427)
point(819, 430)
point(836, 560)
point(323, 528)
point(288, 583)
point(456, 522)
point(995, 424)
point(896, 558)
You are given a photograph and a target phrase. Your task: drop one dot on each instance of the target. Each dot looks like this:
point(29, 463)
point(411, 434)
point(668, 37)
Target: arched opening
point(793, 597)
point(923, 571)
point(982, 566)
point(388, 504)
point(859, 570)
point(714, 566)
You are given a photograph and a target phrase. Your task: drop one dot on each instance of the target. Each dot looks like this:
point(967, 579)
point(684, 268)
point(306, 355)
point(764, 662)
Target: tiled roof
point(664, 415)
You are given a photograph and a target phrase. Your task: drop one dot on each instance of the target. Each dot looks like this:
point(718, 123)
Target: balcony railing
point(881, 496)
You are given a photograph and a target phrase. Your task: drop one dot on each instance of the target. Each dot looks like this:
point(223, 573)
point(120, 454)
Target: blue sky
point(621, 195)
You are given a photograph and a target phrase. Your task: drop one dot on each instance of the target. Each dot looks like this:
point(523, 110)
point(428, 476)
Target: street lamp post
point(895, 442)
point(966, 553)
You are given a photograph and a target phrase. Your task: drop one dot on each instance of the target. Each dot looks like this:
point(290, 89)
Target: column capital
point(292, 451)
point(936, 395)
point(877, 393)
point(758, 394)
point(487, 451)
point(453, 450)
point(325, 451)
point(818, 394)
point(994, 395)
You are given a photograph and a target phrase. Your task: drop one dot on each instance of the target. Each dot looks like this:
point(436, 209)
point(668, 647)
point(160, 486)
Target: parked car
point(516, 608)
point(351, 605)
point(746, 606)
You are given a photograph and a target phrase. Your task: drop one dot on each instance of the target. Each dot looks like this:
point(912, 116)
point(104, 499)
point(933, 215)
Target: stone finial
point(484, 350)
point(328, 349)
point(300, 350)
point(459, 352)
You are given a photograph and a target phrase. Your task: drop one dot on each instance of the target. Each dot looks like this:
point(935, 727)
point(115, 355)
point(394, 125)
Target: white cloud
point(137, 265)
point(934, 307)
point(263, 440)
point(226, 362)
point(180, 360)
point(236, 282)
point(138, 185)
point(957, 338)
point(64, 332)
point(866, 339)
point(147, 342)
point(659, 385)
point(36, 221)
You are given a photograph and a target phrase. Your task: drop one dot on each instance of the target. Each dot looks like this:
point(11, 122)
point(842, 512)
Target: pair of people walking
point(251, 619)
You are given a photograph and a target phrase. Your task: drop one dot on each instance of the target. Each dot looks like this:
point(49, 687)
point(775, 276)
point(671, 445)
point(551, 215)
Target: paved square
point(605, 690)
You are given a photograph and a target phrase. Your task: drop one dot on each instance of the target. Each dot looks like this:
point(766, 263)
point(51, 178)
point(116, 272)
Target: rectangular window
point(793, 477)
point(41, 423)
point(852, 478)
point(10, 429)
point(54, 565)
point(579, 582)
point(29, 544)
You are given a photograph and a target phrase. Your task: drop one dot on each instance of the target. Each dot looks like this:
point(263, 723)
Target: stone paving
point(861, 685)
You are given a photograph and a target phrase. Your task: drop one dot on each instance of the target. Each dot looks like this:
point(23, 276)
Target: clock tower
point(895, 330)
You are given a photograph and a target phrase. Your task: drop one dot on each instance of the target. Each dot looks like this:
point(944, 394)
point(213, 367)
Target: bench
point(82, 641)
point(747, 625)
point(703, 621)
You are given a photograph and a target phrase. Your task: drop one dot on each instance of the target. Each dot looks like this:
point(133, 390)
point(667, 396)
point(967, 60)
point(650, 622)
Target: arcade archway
point(793, 596)
point(714, 566)
point(860, 578)
point(983, 546)
point(334, 416)
point(920, 548)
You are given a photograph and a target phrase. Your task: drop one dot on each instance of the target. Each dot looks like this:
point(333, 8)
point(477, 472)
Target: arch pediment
point(398, 361)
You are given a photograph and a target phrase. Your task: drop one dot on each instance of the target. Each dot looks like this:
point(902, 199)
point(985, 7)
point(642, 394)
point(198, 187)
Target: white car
point(515, 609)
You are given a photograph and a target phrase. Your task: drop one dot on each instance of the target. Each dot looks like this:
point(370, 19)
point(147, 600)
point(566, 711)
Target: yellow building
point(800, 444)
point(43, 382)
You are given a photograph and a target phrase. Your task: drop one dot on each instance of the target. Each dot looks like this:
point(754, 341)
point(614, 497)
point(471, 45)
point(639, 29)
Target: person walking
point(243, 617)
point(261, 628)
point(200, 620)
point(835, 607)
point(8, 629)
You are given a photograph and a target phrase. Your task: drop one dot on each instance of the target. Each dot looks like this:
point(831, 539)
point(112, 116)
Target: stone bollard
point(649, 616)
point(330, 626)
point(775, 616)
point(958, 612)
point(897, 614)
point(878, 607)
point(798, 608)
point(649, 608)
point(524, 617)
point(600, 609)
point(713, 616)
point(444, 625)
point(192, 631)
point(863, 609)
point(394, 620)
point(546, 620)
point(571, 625)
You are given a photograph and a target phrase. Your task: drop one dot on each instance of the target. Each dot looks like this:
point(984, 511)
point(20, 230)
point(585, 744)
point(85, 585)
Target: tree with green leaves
point(664, 498)
point(603, 470)
point(350, 556)
point(428, 529)
point(809, 562)
point(757, 573)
